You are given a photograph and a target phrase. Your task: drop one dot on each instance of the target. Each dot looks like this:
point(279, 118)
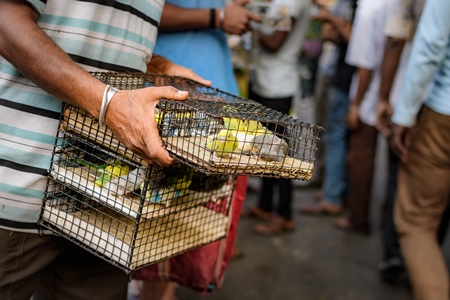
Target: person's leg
point(391, 268)
point(360, 166)
point(78, 275)
point(390, 237)
point(422, 196)
point(23, 257)
point(284, 209)
point(158, 290)
point(335, 180)
point(321, 89)
point(266, 194)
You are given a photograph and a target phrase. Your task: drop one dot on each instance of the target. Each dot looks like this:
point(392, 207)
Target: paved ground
point(315, 262)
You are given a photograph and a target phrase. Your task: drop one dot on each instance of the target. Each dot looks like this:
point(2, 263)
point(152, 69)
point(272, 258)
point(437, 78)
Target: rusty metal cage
point(108, 200)
point(127, 213)
point(264, 142)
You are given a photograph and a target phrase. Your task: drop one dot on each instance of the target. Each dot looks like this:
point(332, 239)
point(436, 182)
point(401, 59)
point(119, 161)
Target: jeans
point(336, 143)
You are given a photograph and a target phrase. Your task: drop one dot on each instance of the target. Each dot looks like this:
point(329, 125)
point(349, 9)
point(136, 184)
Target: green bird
point(111, 171)
point(223, 144)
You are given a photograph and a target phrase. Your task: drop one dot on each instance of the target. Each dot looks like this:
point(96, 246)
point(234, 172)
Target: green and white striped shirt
point(99, 35)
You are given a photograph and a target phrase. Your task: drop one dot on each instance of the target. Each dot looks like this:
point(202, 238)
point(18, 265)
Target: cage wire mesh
point(127, 213)
point(105, 198)
point(263, 142)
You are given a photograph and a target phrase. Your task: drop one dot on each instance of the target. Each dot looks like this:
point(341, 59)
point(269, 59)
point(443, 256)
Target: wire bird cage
point(260, 141)
point(127, 213)
point(108, 200)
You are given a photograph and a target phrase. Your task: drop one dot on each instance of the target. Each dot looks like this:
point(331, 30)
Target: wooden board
point(78, 178)
point(111, 234)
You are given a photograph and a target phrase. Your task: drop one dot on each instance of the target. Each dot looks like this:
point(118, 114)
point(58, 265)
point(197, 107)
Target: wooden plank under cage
point(193, 151)
point(79, 179)
point(110, 233)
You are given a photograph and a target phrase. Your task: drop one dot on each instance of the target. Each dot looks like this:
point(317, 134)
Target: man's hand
point(353, 117)
point(324, 15)
point(237, 18)
point(131, 117)
point(161, 65)
point(384, 113)
point(401, 141)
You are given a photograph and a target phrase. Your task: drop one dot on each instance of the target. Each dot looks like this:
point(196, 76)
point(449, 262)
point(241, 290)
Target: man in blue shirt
point(422, 141)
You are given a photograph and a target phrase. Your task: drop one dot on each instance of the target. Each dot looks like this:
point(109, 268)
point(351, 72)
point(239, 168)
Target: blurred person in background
point(336, 28)
point(400, 31)
point(421, 139)
point(274, 82)
point(365, 52)
point(193, 34)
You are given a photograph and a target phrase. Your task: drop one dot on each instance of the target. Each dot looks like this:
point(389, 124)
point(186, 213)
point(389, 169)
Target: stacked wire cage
point(105, 198)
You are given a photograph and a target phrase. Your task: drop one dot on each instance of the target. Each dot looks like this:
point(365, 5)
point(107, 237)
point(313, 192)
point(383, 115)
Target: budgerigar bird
point(111, 171)
point(163, 195)
point(176, 183)
point(224, 144)
point(231, 123)
point(251, 126)
point(269, 147)
point(127, 183)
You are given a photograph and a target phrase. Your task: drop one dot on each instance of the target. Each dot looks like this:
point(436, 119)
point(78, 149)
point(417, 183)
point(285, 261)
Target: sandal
point(346, 225)
point(257, 213)
point(322, 208)
point(277, 225)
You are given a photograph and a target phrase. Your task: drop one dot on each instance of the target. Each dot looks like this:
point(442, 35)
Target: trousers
point(422, 196)
point(55, 268)
point(360, 165)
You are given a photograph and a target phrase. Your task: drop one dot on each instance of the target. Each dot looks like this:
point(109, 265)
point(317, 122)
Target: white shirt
point(366, 50)
point(276, 74)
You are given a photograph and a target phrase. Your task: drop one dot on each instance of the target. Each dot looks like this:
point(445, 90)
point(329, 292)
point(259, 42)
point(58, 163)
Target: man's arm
point(274, 41)
point(429, 49)
point(37, 57)
point(236, 18)
point(364, 78)
point(328, 33)
point(340, 27)
point(392, 55)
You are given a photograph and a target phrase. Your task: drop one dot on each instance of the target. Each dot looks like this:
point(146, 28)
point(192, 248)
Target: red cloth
point(202, 268)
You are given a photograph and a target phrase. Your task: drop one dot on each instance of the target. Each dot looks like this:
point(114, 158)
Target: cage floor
point(112, 235)
point(191, 150)
point(78, 178)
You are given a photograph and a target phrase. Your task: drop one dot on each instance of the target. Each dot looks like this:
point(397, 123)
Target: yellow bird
point(224, 144)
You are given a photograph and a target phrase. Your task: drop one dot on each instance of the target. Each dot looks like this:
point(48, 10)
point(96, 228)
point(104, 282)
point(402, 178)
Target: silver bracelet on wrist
point(108, 94)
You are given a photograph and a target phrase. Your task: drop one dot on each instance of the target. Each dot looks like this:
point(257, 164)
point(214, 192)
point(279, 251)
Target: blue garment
point(336, 142)
point(205, 51)
point(430, 56)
